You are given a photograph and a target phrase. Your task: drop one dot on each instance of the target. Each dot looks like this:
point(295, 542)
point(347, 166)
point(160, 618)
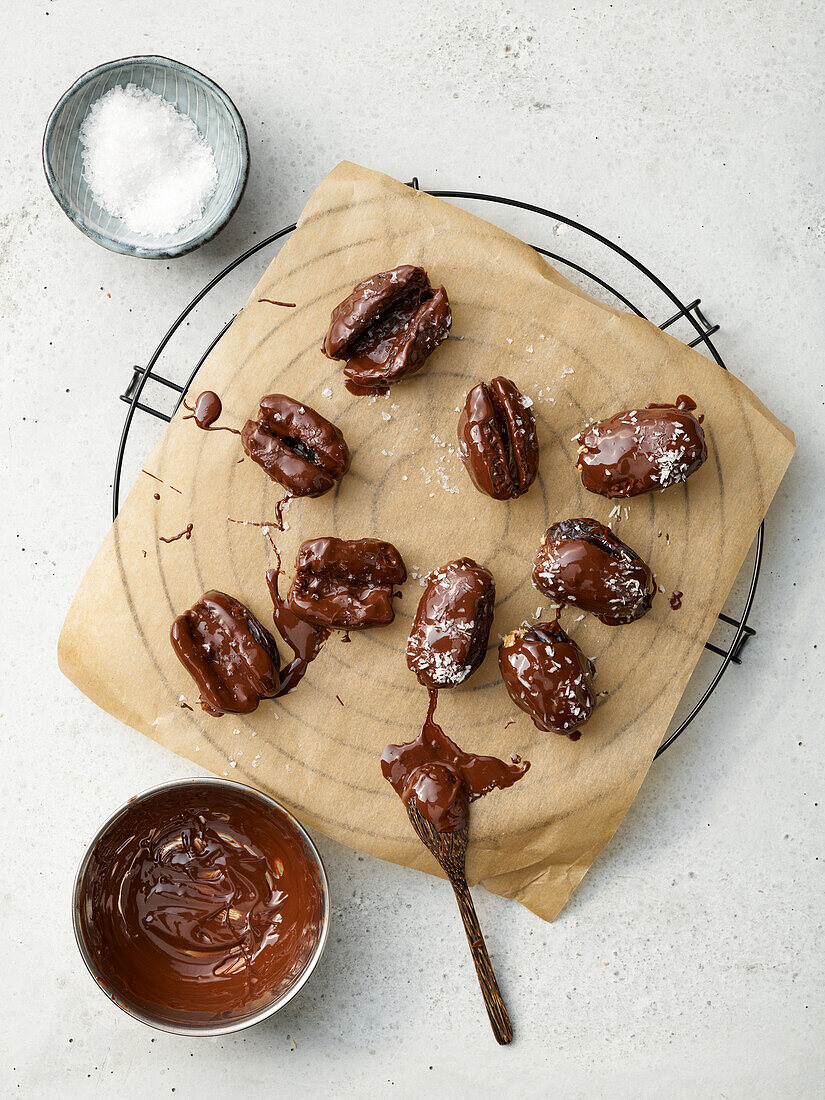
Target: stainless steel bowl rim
point(233, 1025)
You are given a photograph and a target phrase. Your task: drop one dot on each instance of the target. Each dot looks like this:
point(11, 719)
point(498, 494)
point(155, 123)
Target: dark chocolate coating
point(642, 449)
point(497, 439)
point(448, 640)
point(581, 562)
point(208, 408)
point(305, 640)
point(199, 905)
point(296, 446)
point(440, 795)
point(346, 585)
point(232, 658)
point(442, 778)
point(388, 326)
point(548, 676)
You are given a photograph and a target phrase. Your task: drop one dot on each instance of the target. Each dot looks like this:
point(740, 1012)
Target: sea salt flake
point(146, 162)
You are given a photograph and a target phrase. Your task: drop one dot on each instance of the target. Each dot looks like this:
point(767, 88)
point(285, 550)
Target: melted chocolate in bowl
point(201, 907)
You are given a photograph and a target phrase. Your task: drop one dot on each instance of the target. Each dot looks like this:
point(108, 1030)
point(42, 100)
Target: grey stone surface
point(690, 961)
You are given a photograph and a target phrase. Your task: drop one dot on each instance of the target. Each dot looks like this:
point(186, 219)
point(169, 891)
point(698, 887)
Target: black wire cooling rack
point(689, 313)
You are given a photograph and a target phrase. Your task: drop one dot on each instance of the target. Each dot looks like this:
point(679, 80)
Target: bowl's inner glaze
point(192, 96)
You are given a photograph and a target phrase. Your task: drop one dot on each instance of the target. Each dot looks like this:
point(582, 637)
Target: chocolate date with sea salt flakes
point(497, 439)
point(548, 676)
point(345, 585)
point(581, 562)
point(640, 450)
point(232, 657)
point(296, 446)
point(448, 640)
point(388, 326)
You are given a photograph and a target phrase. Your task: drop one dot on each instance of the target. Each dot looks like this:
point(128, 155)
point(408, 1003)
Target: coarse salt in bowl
point(145, 162)
point(197, 121)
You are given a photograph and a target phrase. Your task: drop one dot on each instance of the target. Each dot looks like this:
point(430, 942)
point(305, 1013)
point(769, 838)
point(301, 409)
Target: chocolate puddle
point(201, 904)
point(303, 639)
point(442, 778)
point(205, 412)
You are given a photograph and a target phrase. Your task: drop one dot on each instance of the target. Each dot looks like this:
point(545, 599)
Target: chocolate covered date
point(232, 658)
point(497, 439)
point(642, 449)
point(296, 446)
point(345, 585)
point(581, 562)
point(548, 676)
point(388, 326)
point(449, 635)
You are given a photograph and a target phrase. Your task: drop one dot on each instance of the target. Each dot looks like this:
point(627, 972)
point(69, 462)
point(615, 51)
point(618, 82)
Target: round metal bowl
point(208, 1026)
point(193, 94)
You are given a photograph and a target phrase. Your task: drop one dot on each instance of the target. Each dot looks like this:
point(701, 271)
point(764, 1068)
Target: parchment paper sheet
point(513, 315)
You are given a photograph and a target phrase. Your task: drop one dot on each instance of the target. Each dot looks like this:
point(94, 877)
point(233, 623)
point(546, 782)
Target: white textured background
point(690, 962)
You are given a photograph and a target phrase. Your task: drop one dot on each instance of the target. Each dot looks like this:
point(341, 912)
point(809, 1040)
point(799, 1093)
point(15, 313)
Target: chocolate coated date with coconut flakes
point(497, 439)
point(449, 635)
point(582, 563)
point(345, 585)
point(388, 326)
point(232, 658)
point(642, 449)
point(296, 446)
point(548, 676)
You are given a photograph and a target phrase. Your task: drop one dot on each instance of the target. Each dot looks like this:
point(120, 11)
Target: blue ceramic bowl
point(193, 94)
